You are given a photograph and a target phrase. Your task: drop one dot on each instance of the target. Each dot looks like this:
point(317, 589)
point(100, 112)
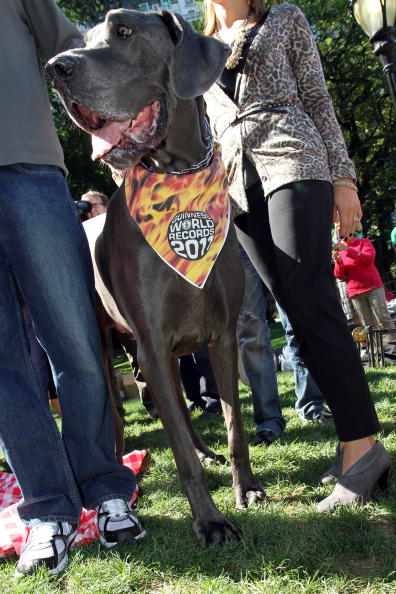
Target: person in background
point(258, 361)
point(99, 203)
point(289, 177)
point(45, 254)
point(199, 383)
point(354, 262)
point(310, 402)
point(123, 340)
point(254, 340)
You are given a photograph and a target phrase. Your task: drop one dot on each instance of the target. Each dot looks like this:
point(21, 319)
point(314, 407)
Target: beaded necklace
point(237, 44)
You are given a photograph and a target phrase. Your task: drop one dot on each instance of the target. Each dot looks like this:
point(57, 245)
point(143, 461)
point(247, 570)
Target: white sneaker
point(47, 546)
point(118, 524)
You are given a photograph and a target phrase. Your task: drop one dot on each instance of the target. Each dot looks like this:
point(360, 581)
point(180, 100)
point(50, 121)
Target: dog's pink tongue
point(107, 137)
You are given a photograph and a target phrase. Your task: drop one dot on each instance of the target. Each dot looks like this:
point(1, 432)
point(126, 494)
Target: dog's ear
point(197, 60)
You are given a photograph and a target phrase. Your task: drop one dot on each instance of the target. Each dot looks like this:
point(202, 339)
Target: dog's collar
point(205, 162)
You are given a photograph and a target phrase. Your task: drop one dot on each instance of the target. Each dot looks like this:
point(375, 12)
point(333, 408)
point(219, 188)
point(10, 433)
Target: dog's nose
point(62, 67)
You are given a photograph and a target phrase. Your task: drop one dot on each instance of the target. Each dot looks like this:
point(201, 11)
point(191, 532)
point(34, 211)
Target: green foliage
point(199, 25)
point(364, 109)
point(87, 12)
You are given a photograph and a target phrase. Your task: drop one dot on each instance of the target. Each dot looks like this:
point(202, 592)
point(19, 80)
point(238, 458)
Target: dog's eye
point(123, 31)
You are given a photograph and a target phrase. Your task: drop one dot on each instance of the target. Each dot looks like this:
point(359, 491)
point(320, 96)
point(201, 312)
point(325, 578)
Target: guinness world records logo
point(191, 233)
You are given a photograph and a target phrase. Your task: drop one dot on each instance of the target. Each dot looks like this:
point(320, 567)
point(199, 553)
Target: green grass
point(277, 335)
point(288, 547)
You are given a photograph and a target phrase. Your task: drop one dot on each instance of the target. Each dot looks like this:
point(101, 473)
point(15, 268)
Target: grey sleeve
point(51, 29)
point(304, 57)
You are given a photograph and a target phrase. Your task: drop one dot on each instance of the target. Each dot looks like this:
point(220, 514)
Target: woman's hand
point(347, 210)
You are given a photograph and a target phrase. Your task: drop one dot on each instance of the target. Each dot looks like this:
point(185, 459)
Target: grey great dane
point(138, 85)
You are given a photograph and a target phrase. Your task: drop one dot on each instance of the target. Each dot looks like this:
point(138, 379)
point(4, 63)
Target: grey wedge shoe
point(357, 484)
point(334, 471)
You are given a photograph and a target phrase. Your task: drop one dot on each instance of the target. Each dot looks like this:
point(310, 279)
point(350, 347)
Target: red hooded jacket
point(358, 268)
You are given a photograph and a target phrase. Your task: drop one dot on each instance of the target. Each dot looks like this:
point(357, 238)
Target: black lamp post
point(377, 18)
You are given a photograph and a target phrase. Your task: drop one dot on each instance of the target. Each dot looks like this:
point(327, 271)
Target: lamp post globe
point(377, 18)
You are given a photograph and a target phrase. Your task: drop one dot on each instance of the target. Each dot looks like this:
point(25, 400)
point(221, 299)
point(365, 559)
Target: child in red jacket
point(354, 263)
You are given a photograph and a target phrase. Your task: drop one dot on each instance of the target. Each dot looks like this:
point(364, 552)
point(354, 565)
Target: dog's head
point(124, 85)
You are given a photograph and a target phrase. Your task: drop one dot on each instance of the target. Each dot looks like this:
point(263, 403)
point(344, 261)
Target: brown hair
point(257, 6)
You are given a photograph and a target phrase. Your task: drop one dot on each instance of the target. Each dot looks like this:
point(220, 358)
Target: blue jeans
point(37, 354)
point(193, 368)
point(44, 252)
point(257, 355)
point(310, 399)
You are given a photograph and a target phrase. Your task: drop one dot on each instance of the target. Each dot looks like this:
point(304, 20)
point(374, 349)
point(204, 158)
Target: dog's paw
point(212, 458)
point(215, 532)
point(251, 495)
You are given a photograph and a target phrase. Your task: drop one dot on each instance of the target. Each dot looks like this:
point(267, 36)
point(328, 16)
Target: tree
point(87, 12)
point(364, 109)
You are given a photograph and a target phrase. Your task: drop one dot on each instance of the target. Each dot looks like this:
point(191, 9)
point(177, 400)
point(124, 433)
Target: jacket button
point(263, 178)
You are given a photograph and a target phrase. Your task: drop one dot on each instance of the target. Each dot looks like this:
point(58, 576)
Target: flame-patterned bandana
point(185, 218)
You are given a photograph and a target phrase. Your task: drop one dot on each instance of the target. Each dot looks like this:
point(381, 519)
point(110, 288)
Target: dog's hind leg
point(210, 526)
point(203, 452)
point(224, 356)
point(116, 407)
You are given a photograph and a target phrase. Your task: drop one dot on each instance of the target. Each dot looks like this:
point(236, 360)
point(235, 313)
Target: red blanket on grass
point(13, 532)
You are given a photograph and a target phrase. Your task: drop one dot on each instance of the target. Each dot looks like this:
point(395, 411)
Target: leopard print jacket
point(283, 118)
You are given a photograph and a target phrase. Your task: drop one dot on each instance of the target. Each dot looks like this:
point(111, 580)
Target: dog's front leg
point(224, 356)
point(210, 526)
